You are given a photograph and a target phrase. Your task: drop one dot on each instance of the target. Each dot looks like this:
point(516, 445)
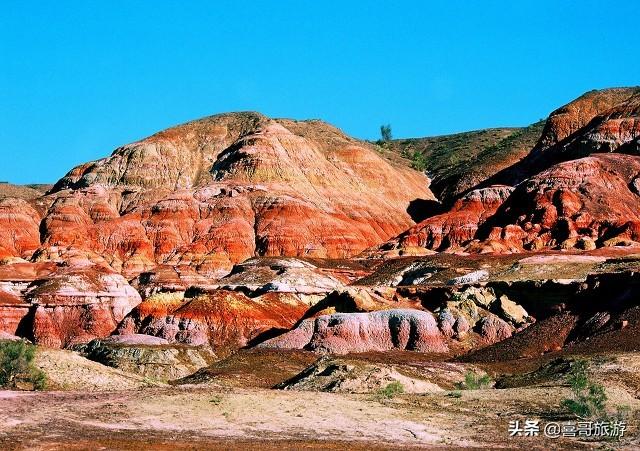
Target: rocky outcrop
point(570, 205)
point(578, 204)
point(224, 319)
point(150, 357)
point(342, 333)
point(61, 306)
point(450, 230)
point(68, 370)
point(283, 275)
point(562, 180)
point(74, 306)
point(598, 121)
point(19, 229)
point(355, 299)
point(214, 192)
point(344, 375)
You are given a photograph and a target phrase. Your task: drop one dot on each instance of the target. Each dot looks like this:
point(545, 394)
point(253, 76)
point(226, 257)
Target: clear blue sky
point(78, 79)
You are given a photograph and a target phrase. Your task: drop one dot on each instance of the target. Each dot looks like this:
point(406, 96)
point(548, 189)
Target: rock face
point(341, 375)
point(214, 192)
point(60, 306)
point(452, 229)
point(148, 357)
point(598, 121)
point(76, 306)
point(342, 333)
point(67, 370)
point(563, 197)
point(19, 229)
point(580, 203)
point(224, 319)
point(291, 275)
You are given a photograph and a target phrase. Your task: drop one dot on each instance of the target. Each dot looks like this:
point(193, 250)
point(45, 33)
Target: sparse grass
point(457, 162)
point(17, 369)
point(216, 400)
point(390, 390)
point(474, 381)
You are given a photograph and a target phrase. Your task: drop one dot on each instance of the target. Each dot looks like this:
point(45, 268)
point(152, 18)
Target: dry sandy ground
point(213, 417)
point(234, 408)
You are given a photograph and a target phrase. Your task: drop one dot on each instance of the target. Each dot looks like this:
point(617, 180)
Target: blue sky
point(78, 79)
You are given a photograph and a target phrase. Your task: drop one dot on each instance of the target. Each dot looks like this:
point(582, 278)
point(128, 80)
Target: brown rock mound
point(342, 333)
point(216, 191)
point(227, 320)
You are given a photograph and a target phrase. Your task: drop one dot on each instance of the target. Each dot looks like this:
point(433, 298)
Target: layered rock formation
point(217, 191)
point(61, 306)
point(178, 210)
point(342, 333)
point(564, 195)
point(452, 229)
point(224, 319)
point(148, 356)
point(598, 121)
point(232, 229)
point(581, 203)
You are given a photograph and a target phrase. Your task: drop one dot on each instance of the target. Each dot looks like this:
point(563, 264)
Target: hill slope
point(216, 191)
point(565, 188)
point(458, 162)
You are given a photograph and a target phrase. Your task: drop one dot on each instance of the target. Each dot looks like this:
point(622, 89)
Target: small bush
point(17, 368)
point(473, 381)
point(589, 398)
point(385, 133)
point(392, 389)
point(418, 161)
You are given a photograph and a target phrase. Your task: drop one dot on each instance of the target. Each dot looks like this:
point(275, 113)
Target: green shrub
point(474, 381)
point(418, 161)
point(588, 398)
point(17, 368)
point(385, 133)
point(392, 389)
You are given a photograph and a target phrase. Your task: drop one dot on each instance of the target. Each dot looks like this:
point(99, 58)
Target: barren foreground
point(222, 414)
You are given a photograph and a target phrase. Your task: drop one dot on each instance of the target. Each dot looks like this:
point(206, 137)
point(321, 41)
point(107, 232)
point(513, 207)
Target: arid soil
point(221, 414)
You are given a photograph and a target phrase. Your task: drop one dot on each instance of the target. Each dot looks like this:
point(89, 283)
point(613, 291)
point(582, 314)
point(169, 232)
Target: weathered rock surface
point(8, 337)
point(150, 357)
point(354, 299)
point(76, 306)
point(598, 121)
point(570, 205)
point(19, 229)
point(563, 199)
point(60, 306)
point(214, 192)
point(450, 230)
point(337, 375)
point(224, 319)
point(342, 333)
point(283, 275)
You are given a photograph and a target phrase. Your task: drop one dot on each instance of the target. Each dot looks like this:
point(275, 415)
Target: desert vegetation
point(17, 369)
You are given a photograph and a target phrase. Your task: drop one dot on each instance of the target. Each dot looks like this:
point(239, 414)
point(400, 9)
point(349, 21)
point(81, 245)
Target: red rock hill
point(214, 192)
